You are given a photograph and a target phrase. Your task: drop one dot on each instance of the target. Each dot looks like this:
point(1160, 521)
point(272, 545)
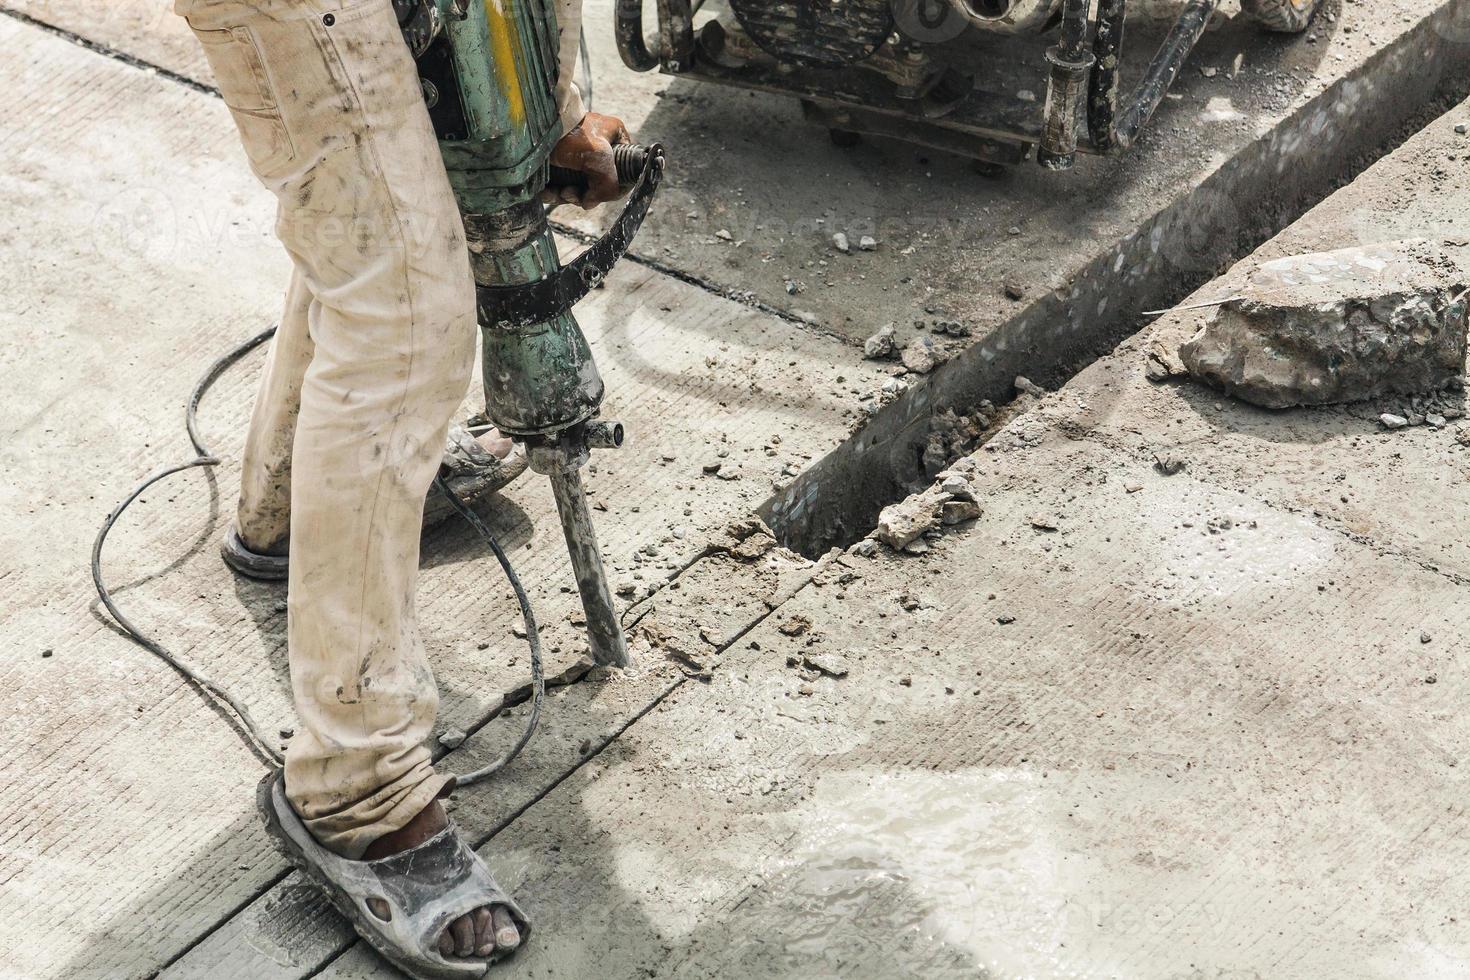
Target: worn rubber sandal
point(425, 888)
point(251, 564)
point(472, 472)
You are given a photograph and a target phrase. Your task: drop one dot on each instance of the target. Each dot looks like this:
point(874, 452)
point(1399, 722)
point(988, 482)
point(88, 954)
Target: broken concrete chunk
point(1027, 387)
point(795, 626)
point(452, 738)
point(840, 242)
point(881, 346)
point(951, 436)
point(922, 355)
point(1340, 326)
point(828, 663)
point(754, 547)
point(867, 243)
point(957, 486)
point(960, 511)
point(1391, 421)
point(749, 539)
point(902, 523)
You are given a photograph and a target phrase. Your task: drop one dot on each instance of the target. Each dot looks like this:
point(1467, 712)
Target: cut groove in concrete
point(1266, 186)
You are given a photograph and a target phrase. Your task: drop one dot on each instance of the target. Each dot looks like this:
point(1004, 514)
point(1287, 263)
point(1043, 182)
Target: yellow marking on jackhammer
point(503, 50)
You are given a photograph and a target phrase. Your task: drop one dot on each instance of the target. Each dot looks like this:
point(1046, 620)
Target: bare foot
point(480, 932)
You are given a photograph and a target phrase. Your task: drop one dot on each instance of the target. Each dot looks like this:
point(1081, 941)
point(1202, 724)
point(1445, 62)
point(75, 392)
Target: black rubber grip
point(628, 158)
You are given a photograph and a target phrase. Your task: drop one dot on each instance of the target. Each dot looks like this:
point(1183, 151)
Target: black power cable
point(244, 722)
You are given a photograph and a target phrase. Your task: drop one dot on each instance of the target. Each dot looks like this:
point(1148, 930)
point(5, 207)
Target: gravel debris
point(922, 355)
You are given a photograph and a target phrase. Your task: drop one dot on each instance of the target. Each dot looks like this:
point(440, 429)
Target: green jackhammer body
point(489, 70)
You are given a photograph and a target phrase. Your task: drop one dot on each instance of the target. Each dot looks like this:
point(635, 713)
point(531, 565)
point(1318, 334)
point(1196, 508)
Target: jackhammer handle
point(628, 158)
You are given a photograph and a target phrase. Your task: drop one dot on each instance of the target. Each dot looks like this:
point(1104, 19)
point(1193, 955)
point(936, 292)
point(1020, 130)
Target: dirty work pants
point(372, 356)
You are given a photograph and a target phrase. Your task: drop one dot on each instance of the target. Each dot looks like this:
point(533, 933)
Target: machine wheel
point(844, 138)
point(1285, 16)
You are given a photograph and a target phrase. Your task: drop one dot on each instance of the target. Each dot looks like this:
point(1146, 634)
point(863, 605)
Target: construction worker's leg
point(328, 103)
point(263, 518)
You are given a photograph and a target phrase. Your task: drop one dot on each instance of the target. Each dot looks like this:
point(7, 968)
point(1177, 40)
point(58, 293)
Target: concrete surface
point(1246, 801)
point(1233, 156)
point(1210, 725)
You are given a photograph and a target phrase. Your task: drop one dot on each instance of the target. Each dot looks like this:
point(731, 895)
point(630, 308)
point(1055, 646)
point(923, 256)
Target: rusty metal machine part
point(949, 74)
point(1009, 16)
point(816, 33)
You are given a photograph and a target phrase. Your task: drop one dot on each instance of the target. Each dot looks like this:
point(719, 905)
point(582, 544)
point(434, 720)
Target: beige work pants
point(372, 356)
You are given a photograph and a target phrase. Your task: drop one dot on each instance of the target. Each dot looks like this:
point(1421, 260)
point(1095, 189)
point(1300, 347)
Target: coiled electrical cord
point(243, 721)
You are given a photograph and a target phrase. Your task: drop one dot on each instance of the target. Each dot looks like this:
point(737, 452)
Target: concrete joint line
point(108, 52)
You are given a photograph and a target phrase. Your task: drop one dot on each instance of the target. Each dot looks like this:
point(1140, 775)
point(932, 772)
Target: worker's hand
point(588, 149)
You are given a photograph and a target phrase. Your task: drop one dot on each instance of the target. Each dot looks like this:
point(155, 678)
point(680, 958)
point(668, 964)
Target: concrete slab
point(1313, 744)
point(145, 253)
point(1232, 159)
point(1249, 196)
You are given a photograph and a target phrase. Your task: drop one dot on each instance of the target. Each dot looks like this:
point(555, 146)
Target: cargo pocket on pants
point(243, 82)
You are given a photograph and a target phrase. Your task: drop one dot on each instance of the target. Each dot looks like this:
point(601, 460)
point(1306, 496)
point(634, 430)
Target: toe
point(463, 931)
point(484, 931)
point(496, 444)
point(507, 936)
point(446, 943)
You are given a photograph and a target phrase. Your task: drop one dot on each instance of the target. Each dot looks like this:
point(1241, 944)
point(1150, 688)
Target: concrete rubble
point(921, 355)
point(881, 346)
point(1339, 326)
point(948, 502)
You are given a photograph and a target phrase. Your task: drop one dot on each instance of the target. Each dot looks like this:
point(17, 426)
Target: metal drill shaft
point(604, 633)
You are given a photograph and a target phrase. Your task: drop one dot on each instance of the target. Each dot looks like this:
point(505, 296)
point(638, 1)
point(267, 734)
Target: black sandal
point(425, 888)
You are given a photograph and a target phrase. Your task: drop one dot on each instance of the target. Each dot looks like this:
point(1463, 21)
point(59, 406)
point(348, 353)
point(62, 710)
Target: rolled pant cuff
point(351, 842)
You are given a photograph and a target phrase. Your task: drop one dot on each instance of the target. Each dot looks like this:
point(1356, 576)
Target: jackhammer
point(488, 74)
